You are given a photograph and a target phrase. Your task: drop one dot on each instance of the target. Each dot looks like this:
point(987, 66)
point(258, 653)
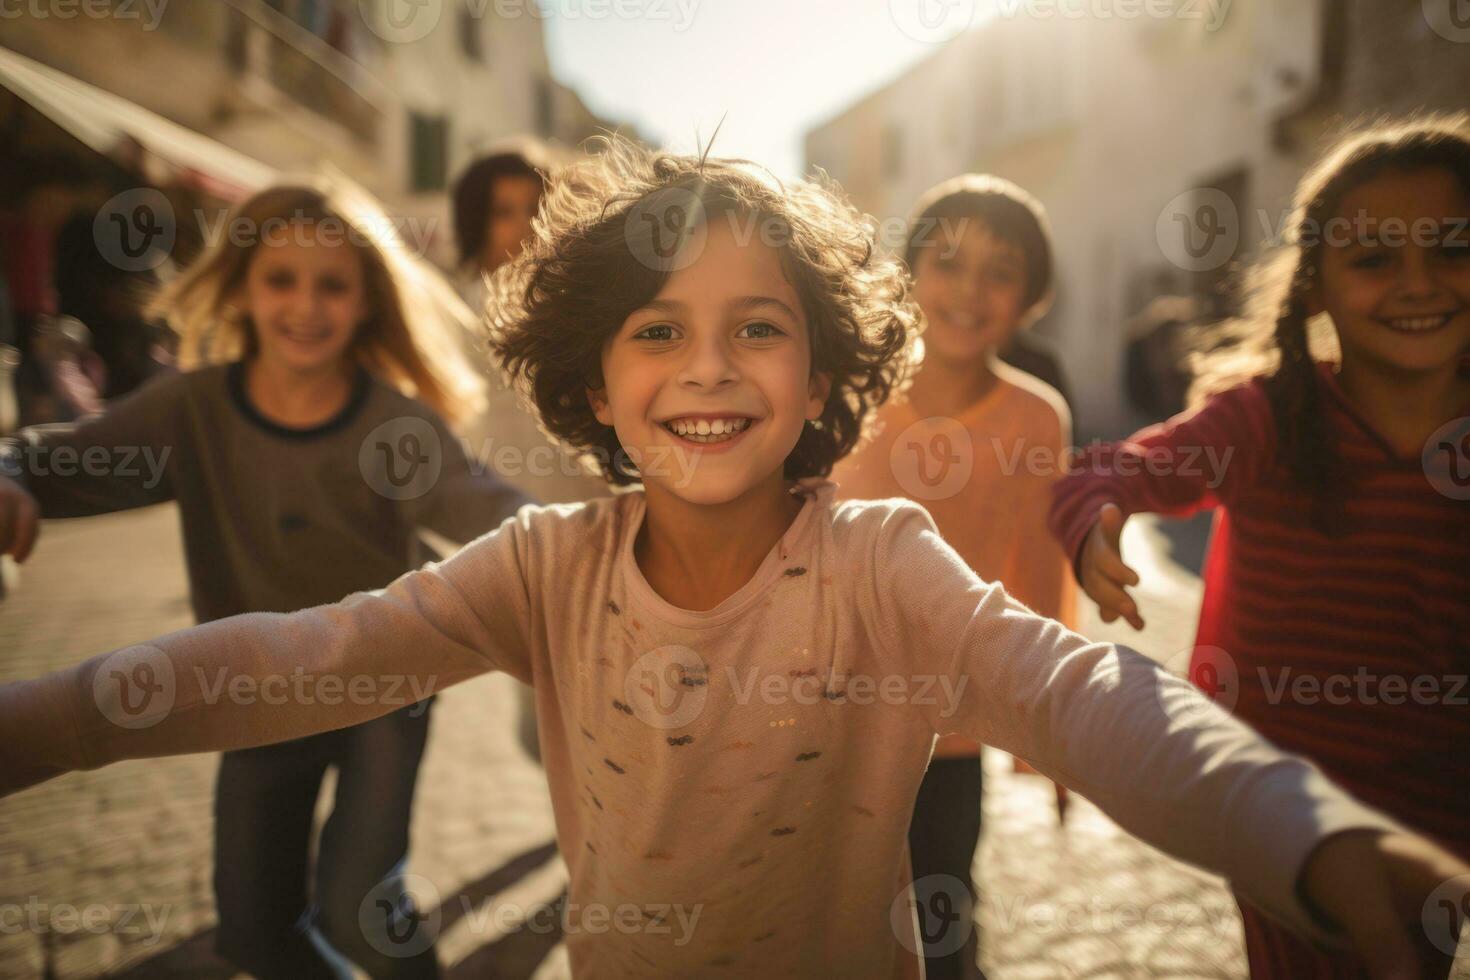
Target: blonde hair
point(410, 337)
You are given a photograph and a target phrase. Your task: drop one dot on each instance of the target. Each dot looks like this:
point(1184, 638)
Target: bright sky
point(775, 66)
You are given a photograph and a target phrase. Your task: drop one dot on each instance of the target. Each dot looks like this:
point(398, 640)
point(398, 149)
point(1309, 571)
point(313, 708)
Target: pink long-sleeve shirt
point(732, 787)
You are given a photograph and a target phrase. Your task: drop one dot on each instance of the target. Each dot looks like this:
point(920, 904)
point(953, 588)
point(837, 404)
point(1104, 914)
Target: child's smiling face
point(708, 385)
point(306, 299)
point(974, 299)
point(1397, 302)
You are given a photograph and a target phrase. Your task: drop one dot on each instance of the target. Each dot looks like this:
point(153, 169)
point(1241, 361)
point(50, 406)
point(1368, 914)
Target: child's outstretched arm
point(113, 461)
point(269, 677)
point(1193, 461)
point(1148, 748)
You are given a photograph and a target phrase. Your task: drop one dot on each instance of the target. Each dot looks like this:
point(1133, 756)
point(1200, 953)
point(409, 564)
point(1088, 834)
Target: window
point(429, 147)
point(470, 39)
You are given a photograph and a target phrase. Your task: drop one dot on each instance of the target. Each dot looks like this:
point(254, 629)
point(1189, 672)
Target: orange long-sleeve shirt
point(985, 476)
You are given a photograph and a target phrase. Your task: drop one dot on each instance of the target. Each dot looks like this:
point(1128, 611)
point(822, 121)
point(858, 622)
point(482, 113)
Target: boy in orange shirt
point(978, 443)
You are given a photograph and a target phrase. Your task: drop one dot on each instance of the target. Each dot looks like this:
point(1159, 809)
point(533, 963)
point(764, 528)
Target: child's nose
point(708, 364)
point(1416, 277)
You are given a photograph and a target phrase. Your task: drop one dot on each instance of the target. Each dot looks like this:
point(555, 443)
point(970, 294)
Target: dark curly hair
point(474, 193)
point(605, 242)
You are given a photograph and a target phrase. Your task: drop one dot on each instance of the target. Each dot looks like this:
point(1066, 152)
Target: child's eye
point(280, 279)
point(334, 285)
point(760, 330)
point(658, 332)
point(1373, 260)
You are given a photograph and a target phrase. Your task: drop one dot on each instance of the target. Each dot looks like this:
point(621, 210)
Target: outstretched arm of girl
point(108, 462)
point(1191, 462)
point(261, 678)
point(1149, 749)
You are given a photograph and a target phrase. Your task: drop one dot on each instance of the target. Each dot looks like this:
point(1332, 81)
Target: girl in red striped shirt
point(1336, 616)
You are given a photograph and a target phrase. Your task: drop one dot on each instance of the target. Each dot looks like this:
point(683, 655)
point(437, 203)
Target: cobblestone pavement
point(109, 870)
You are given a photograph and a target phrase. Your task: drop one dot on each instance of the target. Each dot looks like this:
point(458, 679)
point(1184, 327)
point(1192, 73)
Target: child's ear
point(597, 399)
point(818, 391)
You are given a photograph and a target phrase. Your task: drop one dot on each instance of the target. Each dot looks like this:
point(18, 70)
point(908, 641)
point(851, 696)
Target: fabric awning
point(105, 122)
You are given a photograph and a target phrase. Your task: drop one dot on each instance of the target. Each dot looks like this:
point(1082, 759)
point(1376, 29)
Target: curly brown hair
point(608, 237)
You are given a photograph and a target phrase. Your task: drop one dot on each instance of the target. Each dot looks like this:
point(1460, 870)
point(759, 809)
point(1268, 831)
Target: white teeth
point(707, 430)
point(1419, 323)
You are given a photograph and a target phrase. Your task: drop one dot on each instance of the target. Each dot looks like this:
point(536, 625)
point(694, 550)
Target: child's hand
point(1104, 576)
point(1374, 887)
point(20, 519)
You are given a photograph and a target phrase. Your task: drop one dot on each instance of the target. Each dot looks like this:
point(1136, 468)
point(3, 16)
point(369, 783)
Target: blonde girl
point(306, 446)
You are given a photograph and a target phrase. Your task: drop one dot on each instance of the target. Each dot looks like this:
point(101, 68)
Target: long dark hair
point(1278, 339)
